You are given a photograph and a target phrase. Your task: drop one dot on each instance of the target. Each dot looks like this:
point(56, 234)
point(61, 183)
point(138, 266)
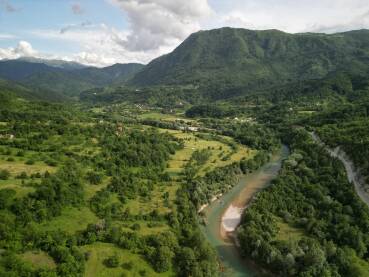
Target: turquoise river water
point(240, 195)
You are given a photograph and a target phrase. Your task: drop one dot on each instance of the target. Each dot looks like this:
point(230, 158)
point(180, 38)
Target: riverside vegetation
point(108, 181)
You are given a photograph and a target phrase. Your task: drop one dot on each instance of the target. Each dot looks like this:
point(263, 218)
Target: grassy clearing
point(38, 259)
point(146, 227)
point(288, 232)
point(219, 152)
point(71, 220)
point(16, 184)
point(306, 112)
point(90, 190)
point(18, 166)
point(155, 202)
point(158, 116)
point(130, 264)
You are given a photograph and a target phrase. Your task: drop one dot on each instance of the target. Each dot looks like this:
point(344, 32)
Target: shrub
point(94, 178)
point(112, 261)
point(4, 174)
point(23, 175)
point(51, 162)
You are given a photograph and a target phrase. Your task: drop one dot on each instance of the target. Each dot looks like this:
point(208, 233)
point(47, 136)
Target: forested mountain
point(227, 58)
point(14, 90)
point(64, 78)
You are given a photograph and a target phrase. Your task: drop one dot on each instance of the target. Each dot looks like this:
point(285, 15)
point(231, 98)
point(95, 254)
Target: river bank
point(224, 215)
point(353, 174)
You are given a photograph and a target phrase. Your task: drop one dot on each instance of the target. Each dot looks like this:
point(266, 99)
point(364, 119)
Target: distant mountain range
point(66, 78)
point(68, 65)
point(220, 63)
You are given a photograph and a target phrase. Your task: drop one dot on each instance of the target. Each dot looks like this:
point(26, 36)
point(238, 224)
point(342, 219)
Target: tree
point(162, 258)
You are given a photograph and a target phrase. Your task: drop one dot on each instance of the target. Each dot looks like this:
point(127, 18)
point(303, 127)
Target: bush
point(51, 162)
point(127, 266)
point(136, 227)
point(10, 159)
point(30, 162)
point(94, 178)
point(4, 174)
point(23, 175)
point(112, 261)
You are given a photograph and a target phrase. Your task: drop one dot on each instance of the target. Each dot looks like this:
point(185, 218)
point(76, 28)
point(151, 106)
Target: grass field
point(158, 116)
point(131, 265)
point(18, 166)
point(146, 227)
point(219, 150)
point(156, 201)
point(288, 232)
point(71, 220)
point(38, 259)
point(16, 184)
point(90, 190)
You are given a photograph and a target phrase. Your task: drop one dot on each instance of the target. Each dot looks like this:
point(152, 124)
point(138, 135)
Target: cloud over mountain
point(161, 22)
point(23, 49)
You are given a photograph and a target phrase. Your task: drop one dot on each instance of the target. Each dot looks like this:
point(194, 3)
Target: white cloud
point(157, 23)
point(294, 16)
point(23, 49)
point(155, 27)
point(100, 45)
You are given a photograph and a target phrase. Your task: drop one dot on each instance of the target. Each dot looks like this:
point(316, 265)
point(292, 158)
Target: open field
point(288, 232)
point(38, 259)
point(155, 202)
point(129, 264)
point(219, 152)
point(142, 227)
point(158, 115)
point(19, 165)
point(71, 220)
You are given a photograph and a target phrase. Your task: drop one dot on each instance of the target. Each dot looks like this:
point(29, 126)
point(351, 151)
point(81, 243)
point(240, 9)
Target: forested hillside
point(237, 58)
point(65, 79)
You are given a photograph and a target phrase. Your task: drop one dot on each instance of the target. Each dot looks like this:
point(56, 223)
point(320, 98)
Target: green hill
point(11, 90)
point(66, 79)
point(227, 58)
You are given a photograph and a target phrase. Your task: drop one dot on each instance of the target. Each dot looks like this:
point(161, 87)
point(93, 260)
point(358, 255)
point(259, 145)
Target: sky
point(104, 32)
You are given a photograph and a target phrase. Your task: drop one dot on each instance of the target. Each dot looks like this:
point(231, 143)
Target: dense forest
point(313, 197)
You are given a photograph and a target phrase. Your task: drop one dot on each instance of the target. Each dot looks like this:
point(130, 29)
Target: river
point(224, 215)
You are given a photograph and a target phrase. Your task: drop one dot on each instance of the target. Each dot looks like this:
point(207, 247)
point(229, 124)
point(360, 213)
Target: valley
point(200, 163)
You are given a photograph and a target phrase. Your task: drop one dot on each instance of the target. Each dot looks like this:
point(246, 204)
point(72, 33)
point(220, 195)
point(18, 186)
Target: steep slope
point(230, 57)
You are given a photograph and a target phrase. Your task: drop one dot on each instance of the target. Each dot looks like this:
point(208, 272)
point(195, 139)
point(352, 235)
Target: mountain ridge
point(253, 59)
point(68, 81)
